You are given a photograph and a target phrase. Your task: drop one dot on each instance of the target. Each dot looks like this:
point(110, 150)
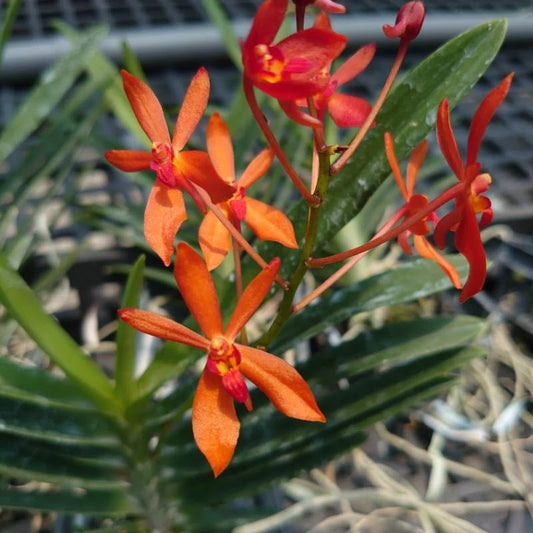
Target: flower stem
point(358, 139)
point(310, 198)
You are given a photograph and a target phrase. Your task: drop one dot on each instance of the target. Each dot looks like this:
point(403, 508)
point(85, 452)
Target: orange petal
point(162, 327)
point(192, 109)
point(163, 216)
point(219, 148)
point(446, 140)
point(393, 163)
point(251, 298)
point(214, 239)
point(198, 290)
point(424, 249)
point(196, 166)
point(214, 422)
point(283, 385)
point(348, 111)
point(354, 65)
point(129, 160)
point(257, 168)
point(413, 166)
point(269, 223)
point(146, 107)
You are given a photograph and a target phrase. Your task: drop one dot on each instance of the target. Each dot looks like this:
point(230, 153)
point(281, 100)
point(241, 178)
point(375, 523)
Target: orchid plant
point(259, 280)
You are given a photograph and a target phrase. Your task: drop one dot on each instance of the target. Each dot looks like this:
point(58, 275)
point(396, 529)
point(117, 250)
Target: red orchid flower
point(346, 111)
point(175, 169)
point(469, 202)
point(415, 203)
point(294, 68)
point(268, 223)
point(214, 420)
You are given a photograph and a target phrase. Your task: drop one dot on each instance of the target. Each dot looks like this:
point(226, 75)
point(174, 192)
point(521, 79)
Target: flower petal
point(269, 223)
point(446, 140)
point(483, 116)
point(298, 115)
point(214, 422)
point(219, 148)
point(413, 166)
point(266, 23)
point(354, 65)
point(348, 111)
point(129, 160)
point(196, 166)
point(146, 107)
point(257, 168)
point(468, 242)
point(424, 249)
point(163, 216)
point(214, 240)
point(162, 327)
point(283, 385)
point(198, 290)
point(251, 298)
point(192, 109)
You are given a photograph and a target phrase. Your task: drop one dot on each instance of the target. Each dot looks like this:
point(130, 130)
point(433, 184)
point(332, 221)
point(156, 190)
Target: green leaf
point(91, 502)
point(410, 280)
point(48, 92)
point(126, 335)
point(10, 14)
point(30, 460)
point(409, 114)
point(23, 305)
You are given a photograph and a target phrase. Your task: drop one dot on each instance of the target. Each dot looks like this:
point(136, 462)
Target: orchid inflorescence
point(297, 72)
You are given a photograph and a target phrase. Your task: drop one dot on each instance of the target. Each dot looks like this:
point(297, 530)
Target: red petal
point(348, 111)
point(197, 167)
point(424, 249)
point(162, 327)
point(214, 422)
point(129, 160)
point(257, 168)
point(251, 298)
point(266, 23)
point(446, 140)
point(296, 114)
point(468, 242)
point(269, 223)
point(354, 65)
point(214, 239)
point(446, 223)
point(192, 109)
point(198, 290)
point(220, 148)
point(483, 116)
point(146, 107)
point(283, 385)
point(163, 216)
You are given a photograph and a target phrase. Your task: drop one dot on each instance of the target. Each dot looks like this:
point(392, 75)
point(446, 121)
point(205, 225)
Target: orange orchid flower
point(415, 203)
point(175, 169)
point(296, 67)
point(469, 202)
point(268, 223)
point(214, 419)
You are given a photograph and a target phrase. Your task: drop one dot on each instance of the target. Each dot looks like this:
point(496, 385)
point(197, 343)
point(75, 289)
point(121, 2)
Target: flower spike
point(462, 220)
point(214, 419)
point(175, 170)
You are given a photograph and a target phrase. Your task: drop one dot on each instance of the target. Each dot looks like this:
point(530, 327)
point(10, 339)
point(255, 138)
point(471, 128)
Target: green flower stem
point(285, 309)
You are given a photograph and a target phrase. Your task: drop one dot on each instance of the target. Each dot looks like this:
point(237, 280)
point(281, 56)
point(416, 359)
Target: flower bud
point(408, 22)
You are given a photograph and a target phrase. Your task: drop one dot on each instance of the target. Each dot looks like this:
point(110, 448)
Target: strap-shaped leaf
point(410, 280)
point(90, 502)
point(23, 305)
point(31, 460)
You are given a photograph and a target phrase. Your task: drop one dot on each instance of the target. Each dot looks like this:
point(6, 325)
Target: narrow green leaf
point(48, 92)
point(126, 335)
point(131, 61)
point(26, 460)
point(22, 304)
point(410, 280)
point(10, 14)
point(90, 502)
